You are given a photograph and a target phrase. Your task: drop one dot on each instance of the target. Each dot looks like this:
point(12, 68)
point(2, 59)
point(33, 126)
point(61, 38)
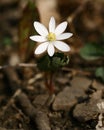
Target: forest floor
point(25, 103)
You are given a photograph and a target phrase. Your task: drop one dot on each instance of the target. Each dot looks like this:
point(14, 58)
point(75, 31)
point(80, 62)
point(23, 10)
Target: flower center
point(51, 37)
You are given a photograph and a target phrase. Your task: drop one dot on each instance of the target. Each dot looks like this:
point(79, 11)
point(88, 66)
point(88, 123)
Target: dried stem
point(49, 82)
point(77, 11)
point(19, 65)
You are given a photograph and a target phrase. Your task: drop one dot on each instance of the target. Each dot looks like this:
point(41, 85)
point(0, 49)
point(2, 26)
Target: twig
point(14, 83)
point(74, 71)
point(71, 18)
point(40, 118)
point(49, 82)
point(26, 65)
point(13, 79)
point(77, 11)
point(11, 101)
point(18, 65)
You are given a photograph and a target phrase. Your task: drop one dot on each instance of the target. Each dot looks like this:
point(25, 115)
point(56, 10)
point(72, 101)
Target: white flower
point(51, 39)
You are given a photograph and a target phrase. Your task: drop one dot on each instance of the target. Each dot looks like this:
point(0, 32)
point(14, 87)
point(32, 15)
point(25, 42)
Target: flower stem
point(49, 82)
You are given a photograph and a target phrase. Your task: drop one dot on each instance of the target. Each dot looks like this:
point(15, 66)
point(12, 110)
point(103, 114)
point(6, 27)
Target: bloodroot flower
point(51, 39)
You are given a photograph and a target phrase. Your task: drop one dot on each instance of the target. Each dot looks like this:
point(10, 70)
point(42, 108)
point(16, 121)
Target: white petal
point(51, 49)
point(60, 28)
point(64, 36)
point(52, 25)
point(41, 29)
point(41, 48)
point(62, 46)
point(38, 38)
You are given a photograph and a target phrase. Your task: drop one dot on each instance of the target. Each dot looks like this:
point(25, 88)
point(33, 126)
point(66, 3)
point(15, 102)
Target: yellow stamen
point(51, 37)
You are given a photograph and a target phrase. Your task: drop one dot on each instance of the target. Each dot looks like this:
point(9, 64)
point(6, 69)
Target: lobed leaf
point(47, 63)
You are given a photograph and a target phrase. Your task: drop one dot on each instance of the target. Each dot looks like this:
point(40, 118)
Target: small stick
point(49, 82)
point(18, 65)
point(11, 101)
point(77, 11)
point(39, 117)
point(50, 87)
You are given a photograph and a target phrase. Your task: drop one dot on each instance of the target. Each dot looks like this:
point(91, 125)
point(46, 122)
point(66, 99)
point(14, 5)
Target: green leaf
point(92, 51)
point(43, 63)
point(59, 60)
point(26, 29)
point(100, 73)
point(47, 63)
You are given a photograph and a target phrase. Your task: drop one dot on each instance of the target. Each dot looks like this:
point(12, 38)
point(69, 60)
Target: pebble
point(73, 94)
point(62, 80)
point(67, 98)
point(97, 85)
point(88, 110)
point(81, 82)
point(40, 100)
